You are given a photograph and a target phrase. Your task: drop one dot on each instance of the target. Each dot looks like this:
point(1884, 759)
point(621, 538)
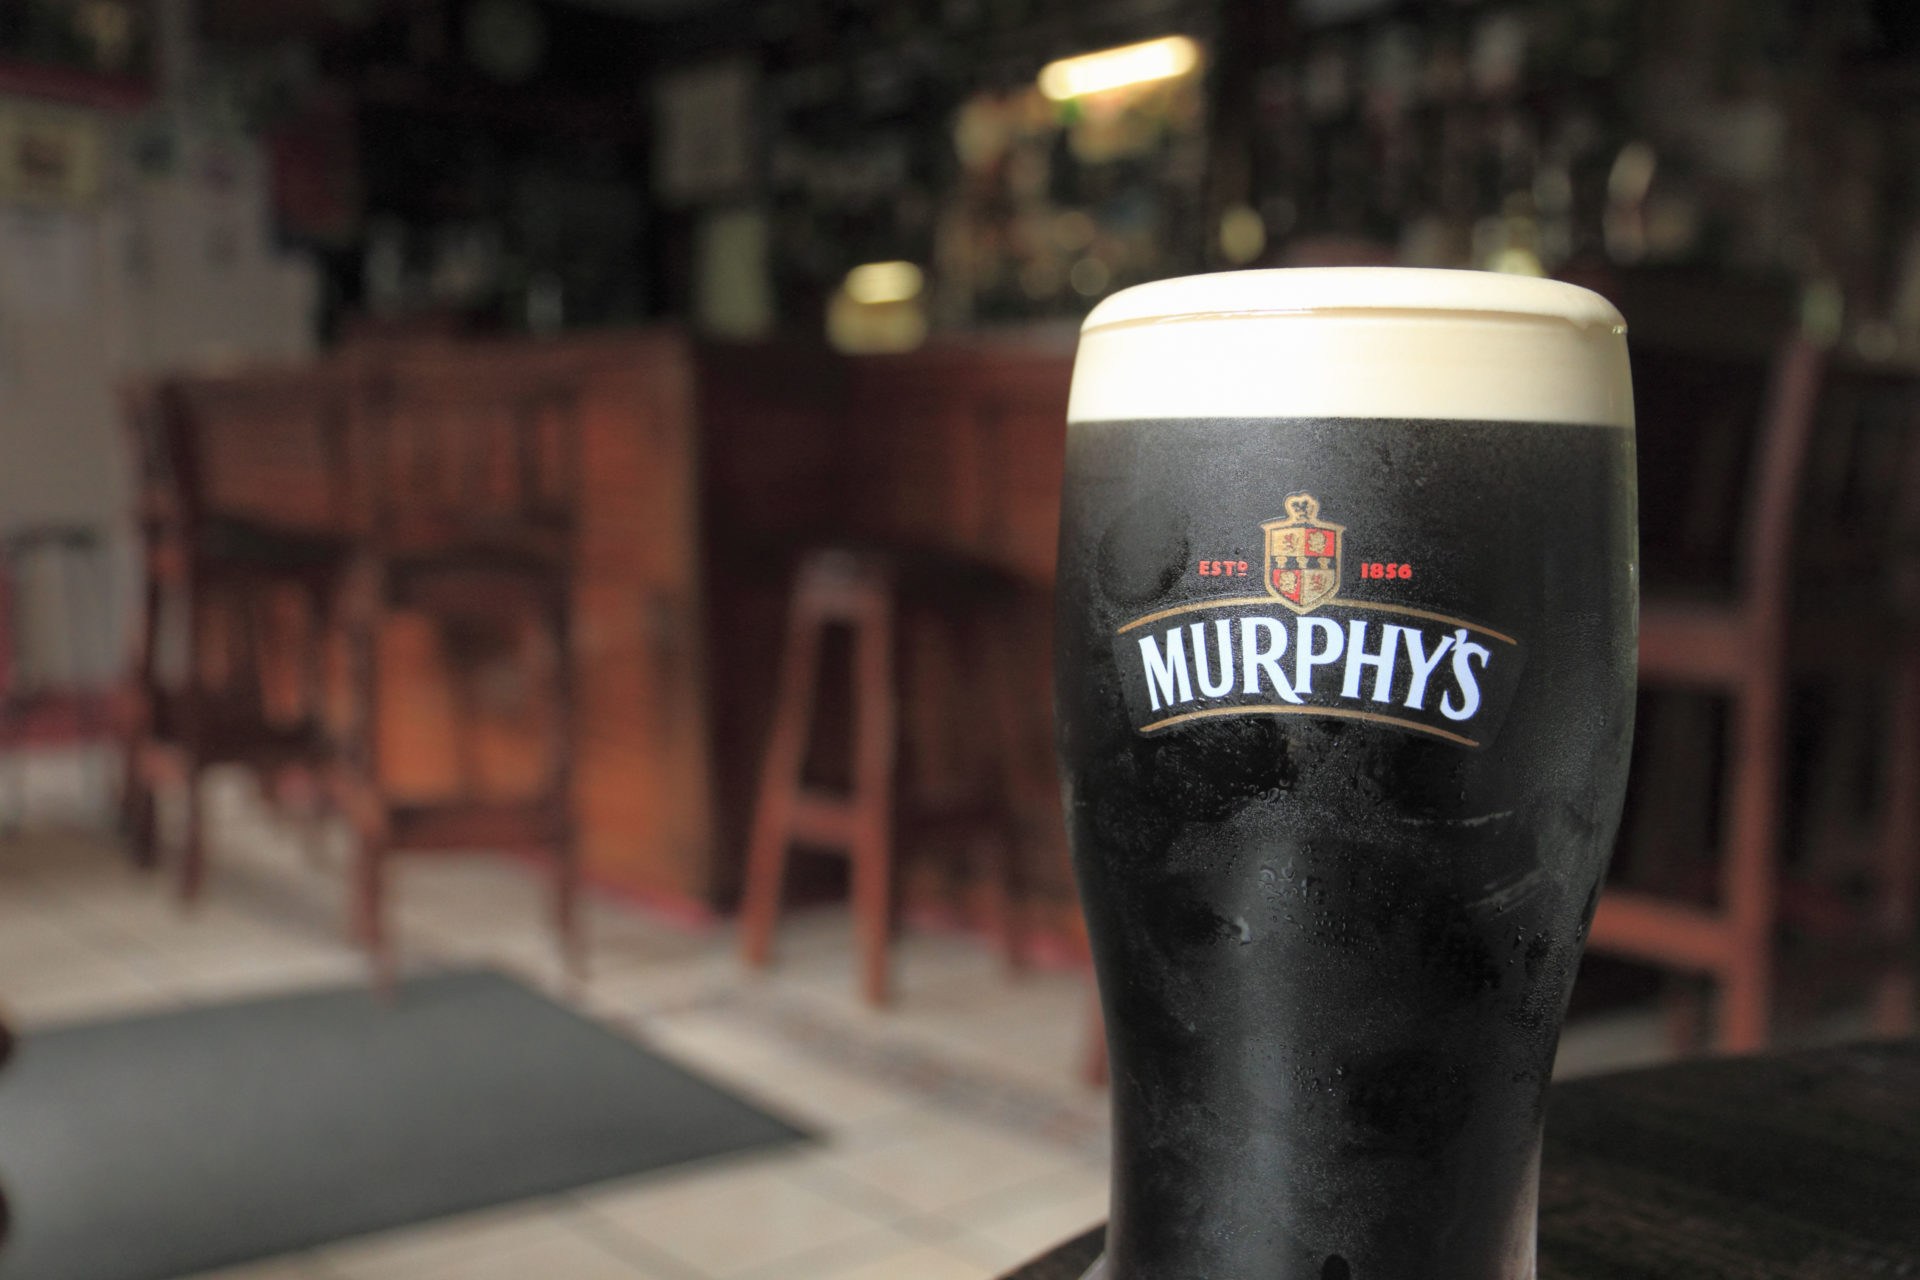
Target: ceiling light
point(879, 282)
point(1113, 68)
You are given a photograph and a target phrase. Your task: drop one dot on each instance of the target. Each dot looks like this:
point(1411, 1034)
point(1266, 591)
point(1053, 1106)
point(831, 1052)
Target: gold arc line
point(1427, 614)
point(1222, 603)
point(1339, 713)
point(1226, 602)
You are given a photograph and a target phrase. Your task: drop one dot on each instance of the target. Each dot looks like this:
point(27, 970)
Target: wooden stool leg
point(369, 900)
point(137, 813)
point(1745, 1013)
point(1684, 1013)
point(567, 869)
point(13, 814)
point(1751, 889)
point(566, 912)
point(1895, 993)
point(1894, 996)
point(875, 729)
point(997, 864)
point(358, 797)
point(193, 855)
point(208, 649)
point(1093, 1066)
point(780, 784)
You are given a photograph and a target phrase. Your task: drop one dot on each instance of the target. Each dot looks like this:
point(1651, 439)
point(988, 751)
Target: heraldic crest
point(1303, 555)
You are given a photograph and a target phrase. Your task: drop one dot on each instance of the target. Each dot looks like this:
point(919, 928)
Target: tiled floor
point(957, 1141)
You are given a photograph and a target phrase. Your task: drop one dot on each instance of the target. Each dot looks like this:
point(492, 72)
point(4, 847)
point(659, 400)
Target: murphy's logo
point(1328, 655)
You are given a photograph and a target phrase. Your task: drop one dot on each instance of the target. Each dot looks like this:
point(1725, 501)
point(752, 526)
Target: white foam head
point(1354, 342)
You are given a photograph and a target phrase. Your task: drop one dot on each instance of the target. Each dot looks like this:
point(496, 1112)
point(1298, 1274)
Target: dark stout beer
point(1345, 670)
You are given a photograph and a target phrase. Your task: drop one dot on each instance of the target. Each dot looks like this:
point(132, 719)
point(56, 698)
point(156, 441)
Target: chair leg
point(566, 912)
point(1745, 1014)
point(298, 793)
point(1094, 1066)
point(193, 855)
point(567, 858)
point(779, 786)
point(1750, 889)
point(369, 913)
point(1896, 992)
point(1894, 996)
point(873, 907)
point(875, 727)
point(996, 862)
point(352, 793)
point(138, 820)
point(1684, 1013)
point(13, 811)
point(873, 924)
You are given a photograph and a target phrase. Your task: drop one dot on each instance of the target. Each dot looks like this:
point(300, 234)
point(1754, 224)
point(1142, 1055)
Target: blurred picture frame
point(703, 133)
point(49, 156)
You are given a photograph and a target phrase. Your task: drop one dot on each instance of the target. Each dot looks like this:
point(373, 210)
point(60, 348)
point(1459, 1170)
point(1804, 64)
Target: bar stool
point(863, 592)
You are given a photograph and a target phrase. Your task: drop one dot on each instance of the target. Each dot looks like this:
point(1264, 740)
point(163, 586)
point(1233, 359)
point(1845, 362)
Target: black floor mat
point(157, 1146)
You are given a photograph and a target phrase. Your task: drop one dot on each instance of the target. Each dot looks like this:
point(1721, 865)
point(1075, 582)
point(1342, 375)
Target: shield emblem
point(1303, 556)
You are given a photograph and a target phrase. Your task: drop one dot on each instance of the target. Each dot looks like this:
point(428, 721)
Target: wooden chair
point(1739, 647)
point(471, 462)
point(865, 593)
point(242, 500)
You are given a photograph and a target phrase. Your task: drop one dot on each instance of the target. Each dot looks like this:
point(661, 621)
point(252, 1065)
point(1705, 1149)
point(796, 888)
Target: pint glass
point(1344, 676)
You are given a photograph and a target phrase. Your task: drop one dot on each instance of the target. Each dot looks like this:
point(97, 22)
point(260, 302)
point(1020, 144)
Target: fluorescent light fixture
point(878, 282)
point(1160, 59)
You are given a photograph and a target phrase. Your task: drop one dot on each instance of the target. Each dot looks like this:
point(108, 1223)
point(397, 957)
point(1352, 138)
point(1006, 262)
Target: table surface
point(1801, 1166)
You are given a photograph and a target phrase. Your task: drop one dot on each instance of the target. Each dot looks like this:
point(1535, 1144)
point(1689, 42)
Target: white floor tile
point(775, 1072)
point(923, 1263)
point(878, 1247)
point(446, 1244)
point(730, 1220)
point(563, 1256)
point(1018, 1228)
point(80, 990)
point(271, 1269)
point(938, 1164)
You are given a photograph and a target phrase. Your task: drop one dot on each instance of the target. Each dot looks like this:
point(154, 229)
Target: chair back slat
point(266, 447)
point(467, 455)
point(1786, 436)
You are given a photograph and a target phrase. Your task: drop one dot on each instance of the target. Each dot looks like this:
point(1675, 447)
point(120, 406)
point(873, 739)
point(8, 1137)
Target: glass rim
point(1410, 292)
